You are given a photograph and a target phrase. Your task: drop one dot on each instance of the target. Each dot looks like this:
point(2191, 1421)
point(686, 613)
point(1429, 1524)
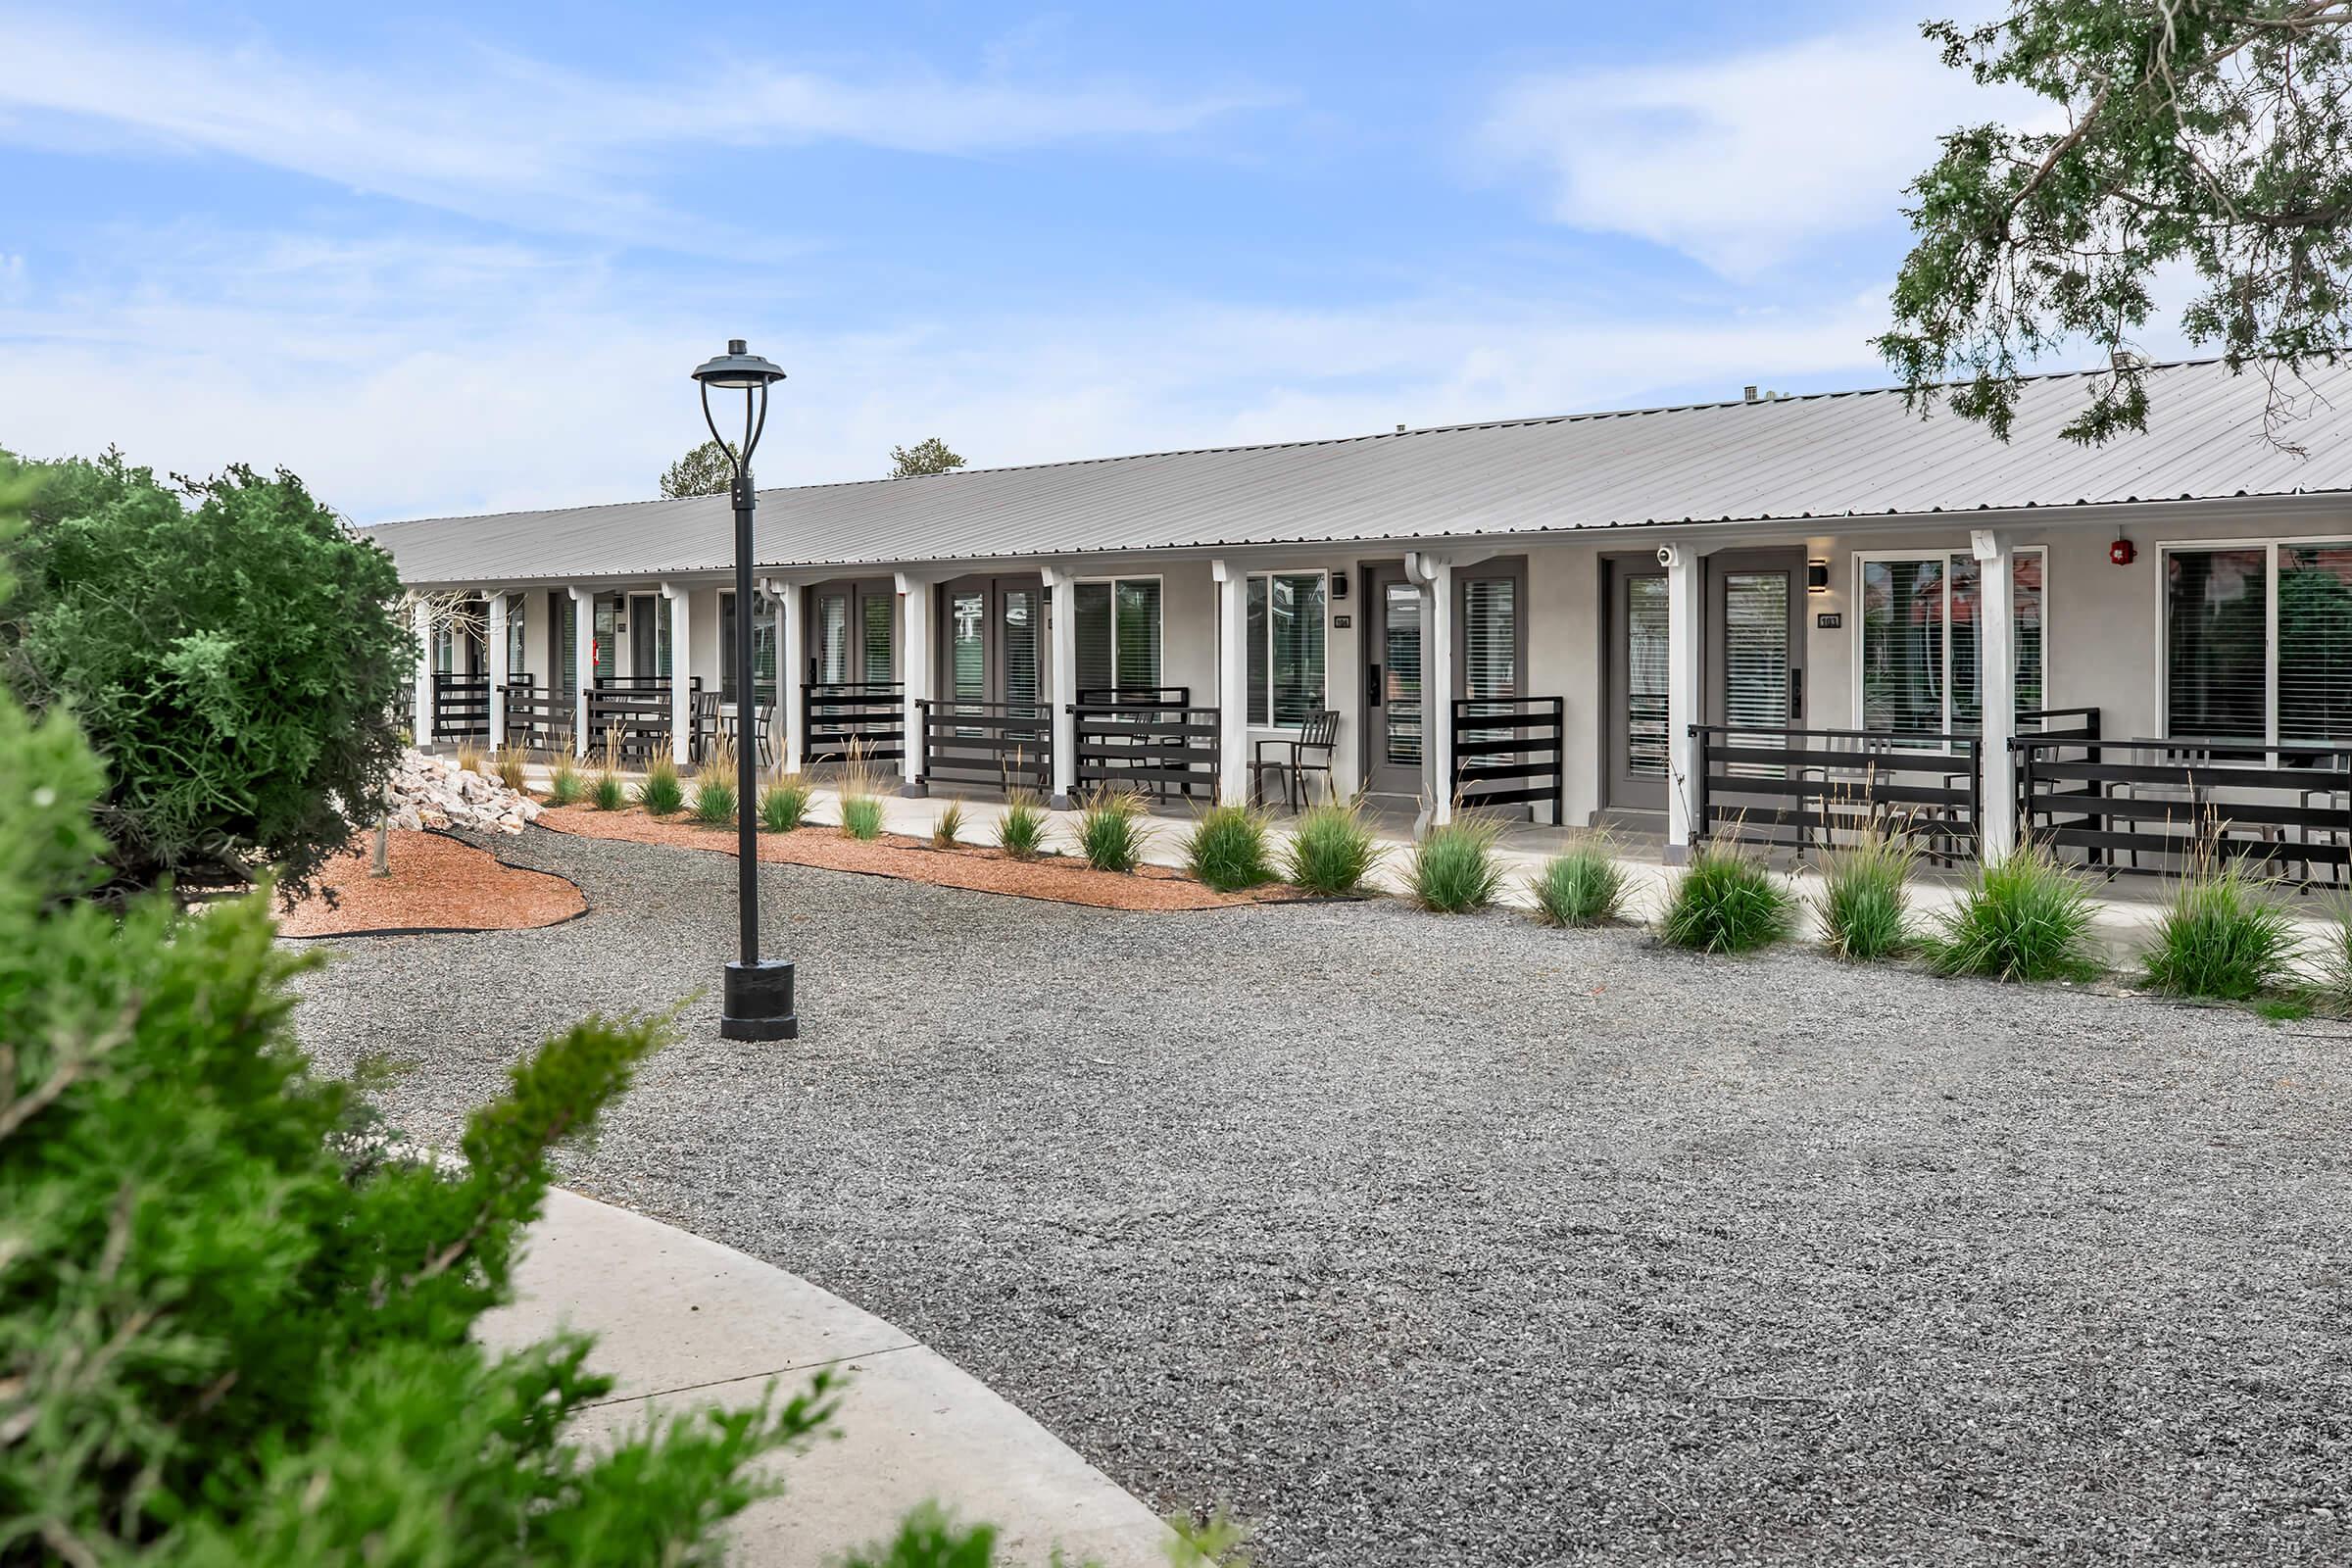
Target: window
point(1918, 631)
point(880, 611)
point(664, 611)
point(565, 624)
point(764, 647)
point(1285, 632)
point(968, 654)
point(1020, 645)
point(1490, 637)
point(445, 644)
point(1118, 634)
point(601, 651)
point(2226, 675)
point(833, 639)
point(517, 662)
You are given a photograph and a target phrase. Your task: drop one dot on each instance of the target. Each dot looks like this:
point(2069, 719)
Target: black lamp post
point(758, 991)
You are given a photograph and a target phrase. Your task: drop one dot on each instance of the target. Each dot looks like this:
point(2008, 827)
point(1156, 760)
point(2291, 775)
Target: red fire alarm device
point(2122, 552)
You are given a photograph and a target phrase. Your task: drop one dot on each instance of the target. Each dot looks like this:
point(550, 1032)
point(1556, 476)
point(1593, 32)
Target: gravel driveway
point(1462, 1241)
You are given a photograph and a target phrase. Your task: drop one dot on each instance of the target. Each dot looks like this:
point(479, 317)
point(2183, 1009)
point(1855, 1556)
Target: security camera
point(1668, 554)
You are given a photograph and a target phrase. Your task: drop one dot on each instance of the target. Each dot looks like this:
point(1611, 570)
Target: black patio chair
point(1307, 752)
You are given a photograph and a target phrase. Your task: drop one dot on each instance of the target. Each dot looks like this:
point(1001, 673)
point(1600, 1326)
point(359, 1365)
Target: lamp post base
point(759, 1002)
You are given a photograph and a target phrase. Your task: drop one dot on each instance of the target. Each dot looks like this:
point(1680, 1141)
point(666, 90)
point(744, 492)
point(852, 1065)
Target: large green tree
point(708, 470)
point(231, 649)
point(928, 455)
point(2212, 137)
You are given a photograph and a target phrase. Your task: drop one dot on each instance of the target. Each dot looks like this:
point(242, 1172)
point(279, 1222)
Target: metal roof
point(1836, 455)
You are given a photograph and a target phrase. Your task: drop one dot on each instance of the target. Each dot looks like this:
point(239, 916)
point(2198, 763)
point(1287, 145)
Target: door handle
point(1372, 686)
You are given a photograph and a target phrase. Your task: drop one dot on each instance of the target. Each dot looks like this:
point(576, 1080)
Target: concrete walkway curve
point(678, 1319)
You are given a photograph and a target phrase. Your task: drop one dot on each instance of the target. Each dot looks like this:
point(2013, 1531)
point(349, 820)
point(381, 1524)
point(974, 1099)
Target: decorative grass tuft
point(861, 817)
point(1864, 904)
point(1453, 869)
point(948, 831)
point(1111, 833)
point(470, 759)
point(508, 765)
point(2223, 935)
point(2332, 963)
point(1227, 849)
point(661, 794)
point(1582, 885)
point(784, 803)
point(2027, 918)
point(1726, 900)
point(563, 783)
point(715, 794)
point(1021, 831)
point(606, 793)
point(1331, 851)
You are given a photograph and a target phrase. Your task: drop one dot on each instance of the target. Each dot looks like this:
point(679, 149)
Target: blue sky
point(460, 258)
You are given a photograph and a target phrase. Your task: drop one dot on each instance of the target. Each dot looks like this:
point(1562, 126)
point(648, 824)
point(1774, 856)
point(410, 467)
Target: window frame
point(1159, 624)
point(1272, 725)
point(1858, 652)
point(2270, 545)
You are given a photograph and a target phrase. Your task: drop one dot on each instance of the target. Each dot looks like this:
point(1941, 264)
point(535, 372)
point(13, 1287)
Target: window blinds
point(518, 658)
point(2217, 615)
point(967, 662)
point(1645, 667)
point(833, 639)
point(878, 616)
point(1020, 646)
point(2315, 643)
point(1755, 651)
point(1284, 635)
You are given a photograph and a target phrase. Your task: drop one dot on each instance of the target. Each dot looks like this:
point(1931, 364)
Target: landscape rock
point(433, 792)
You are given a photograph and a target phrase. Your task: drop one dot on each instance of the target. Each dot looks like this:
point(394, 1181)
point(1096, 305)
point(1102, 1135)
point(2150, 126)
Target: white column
point(1683, 672)
point(792, 663)
point(583, 663)
point(914, 669)
point(1063, 672)
point(494, 652)
point(420, 716)
point(1997, 662)
point(1233, 682)
point(1434, 576)
point(676, 599)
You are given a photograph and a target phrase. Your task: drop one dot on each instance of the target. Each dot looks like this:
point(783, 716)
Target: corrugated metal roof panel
point(1825, 455)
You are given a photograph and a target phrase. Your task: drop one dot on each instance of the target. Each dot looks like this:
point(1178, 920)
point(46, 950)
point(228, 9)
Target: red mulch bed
point(437, 884)
point(982, 870)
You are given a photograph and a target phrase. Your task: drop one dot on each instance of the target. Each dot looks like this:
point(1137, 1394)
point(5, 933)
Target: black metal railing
point(1509, 751)
point(539, 719)
point(1159, 748)
point(1134, 696)
point(871, 714)
point(460, 706)
point(630, 713)
point(1008, 746)
point(1808, 789)
point(2152, 806)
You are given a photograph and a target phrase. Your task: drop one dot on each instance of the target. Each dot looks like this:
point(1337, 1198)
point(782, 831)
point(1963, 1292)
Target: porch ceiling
point(1828, 455)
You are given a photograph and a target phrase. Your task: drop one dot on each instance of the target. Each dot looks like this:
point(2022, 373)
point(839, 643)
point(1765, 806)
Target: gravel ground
point(1464, 1241)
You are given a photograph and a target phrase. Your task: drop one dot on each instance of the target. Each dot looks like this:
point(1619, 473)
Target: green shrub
point(661, 794)
point(2223, 935)
point(861, 817)
point(1111, 832)
point(1331, 851)
point(1021, 831)
point(948, 831)
point(2027, 918)
point(714, 799)
point(1227, 849)
point(1864, 904)
point(1582, 885)
point(784, 804)
point(233, 1328)
point(240, 666)
point(1454, 870)
point(562, 783)
point(1726, 900)
point(606, 794)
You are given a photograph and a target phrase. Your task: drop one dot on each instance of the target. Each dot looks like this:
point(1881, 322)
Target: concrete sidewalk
point(682, 1321)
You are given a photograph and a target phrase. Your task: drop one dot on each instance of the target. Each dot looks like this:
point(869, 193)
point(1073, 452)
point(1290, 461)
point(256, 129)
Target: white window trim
point(1270, 728)
point(1863, 559)
point(1161, 630)
point(2270, 545)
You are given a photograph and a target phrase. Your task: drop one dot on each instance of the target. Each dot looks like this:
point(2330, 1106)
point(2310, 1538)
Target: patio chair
point(706, 724)
point(1308, 752)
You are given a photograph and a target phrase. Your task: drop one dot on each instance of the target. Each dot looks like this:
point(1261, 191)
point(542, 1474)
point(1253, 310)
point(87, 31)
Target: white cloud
point(477, 131)
point(1744, 161)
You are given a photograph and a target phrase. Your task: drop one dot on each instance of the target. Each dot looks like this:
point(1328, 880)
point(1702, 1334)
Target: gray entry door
point(1637, 712)
point(1394, 722)
point(644, 633)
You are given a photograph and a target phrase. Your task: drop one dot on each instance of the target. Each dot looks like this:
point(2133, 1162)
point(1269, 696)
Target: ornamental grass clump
point(784, 803)
point(860, 797)
point(2331, 963)
point(564, 784)
point(714, 799)
point(1582, 885)
point(605, 793)
point(1726, 900)
point(2027, 918)
point(661, 794)
point(2223, 935)
point(1021, 831)
point(1331, 851)
point(948, 831)
point(1112, 831)
point(1227, 849)
point(1453, 869)
point(470, 759)
point(1864, 904)
point(510, 764)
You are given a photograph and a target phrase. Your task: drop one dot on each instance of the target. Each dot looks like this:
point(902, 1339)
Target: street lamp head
point(736, 370)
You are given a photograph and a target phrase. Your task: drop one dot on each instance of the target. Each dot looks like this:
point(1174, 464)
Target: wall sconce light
point(1339, 583)
point(2122, 552)
point(1817, 576)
